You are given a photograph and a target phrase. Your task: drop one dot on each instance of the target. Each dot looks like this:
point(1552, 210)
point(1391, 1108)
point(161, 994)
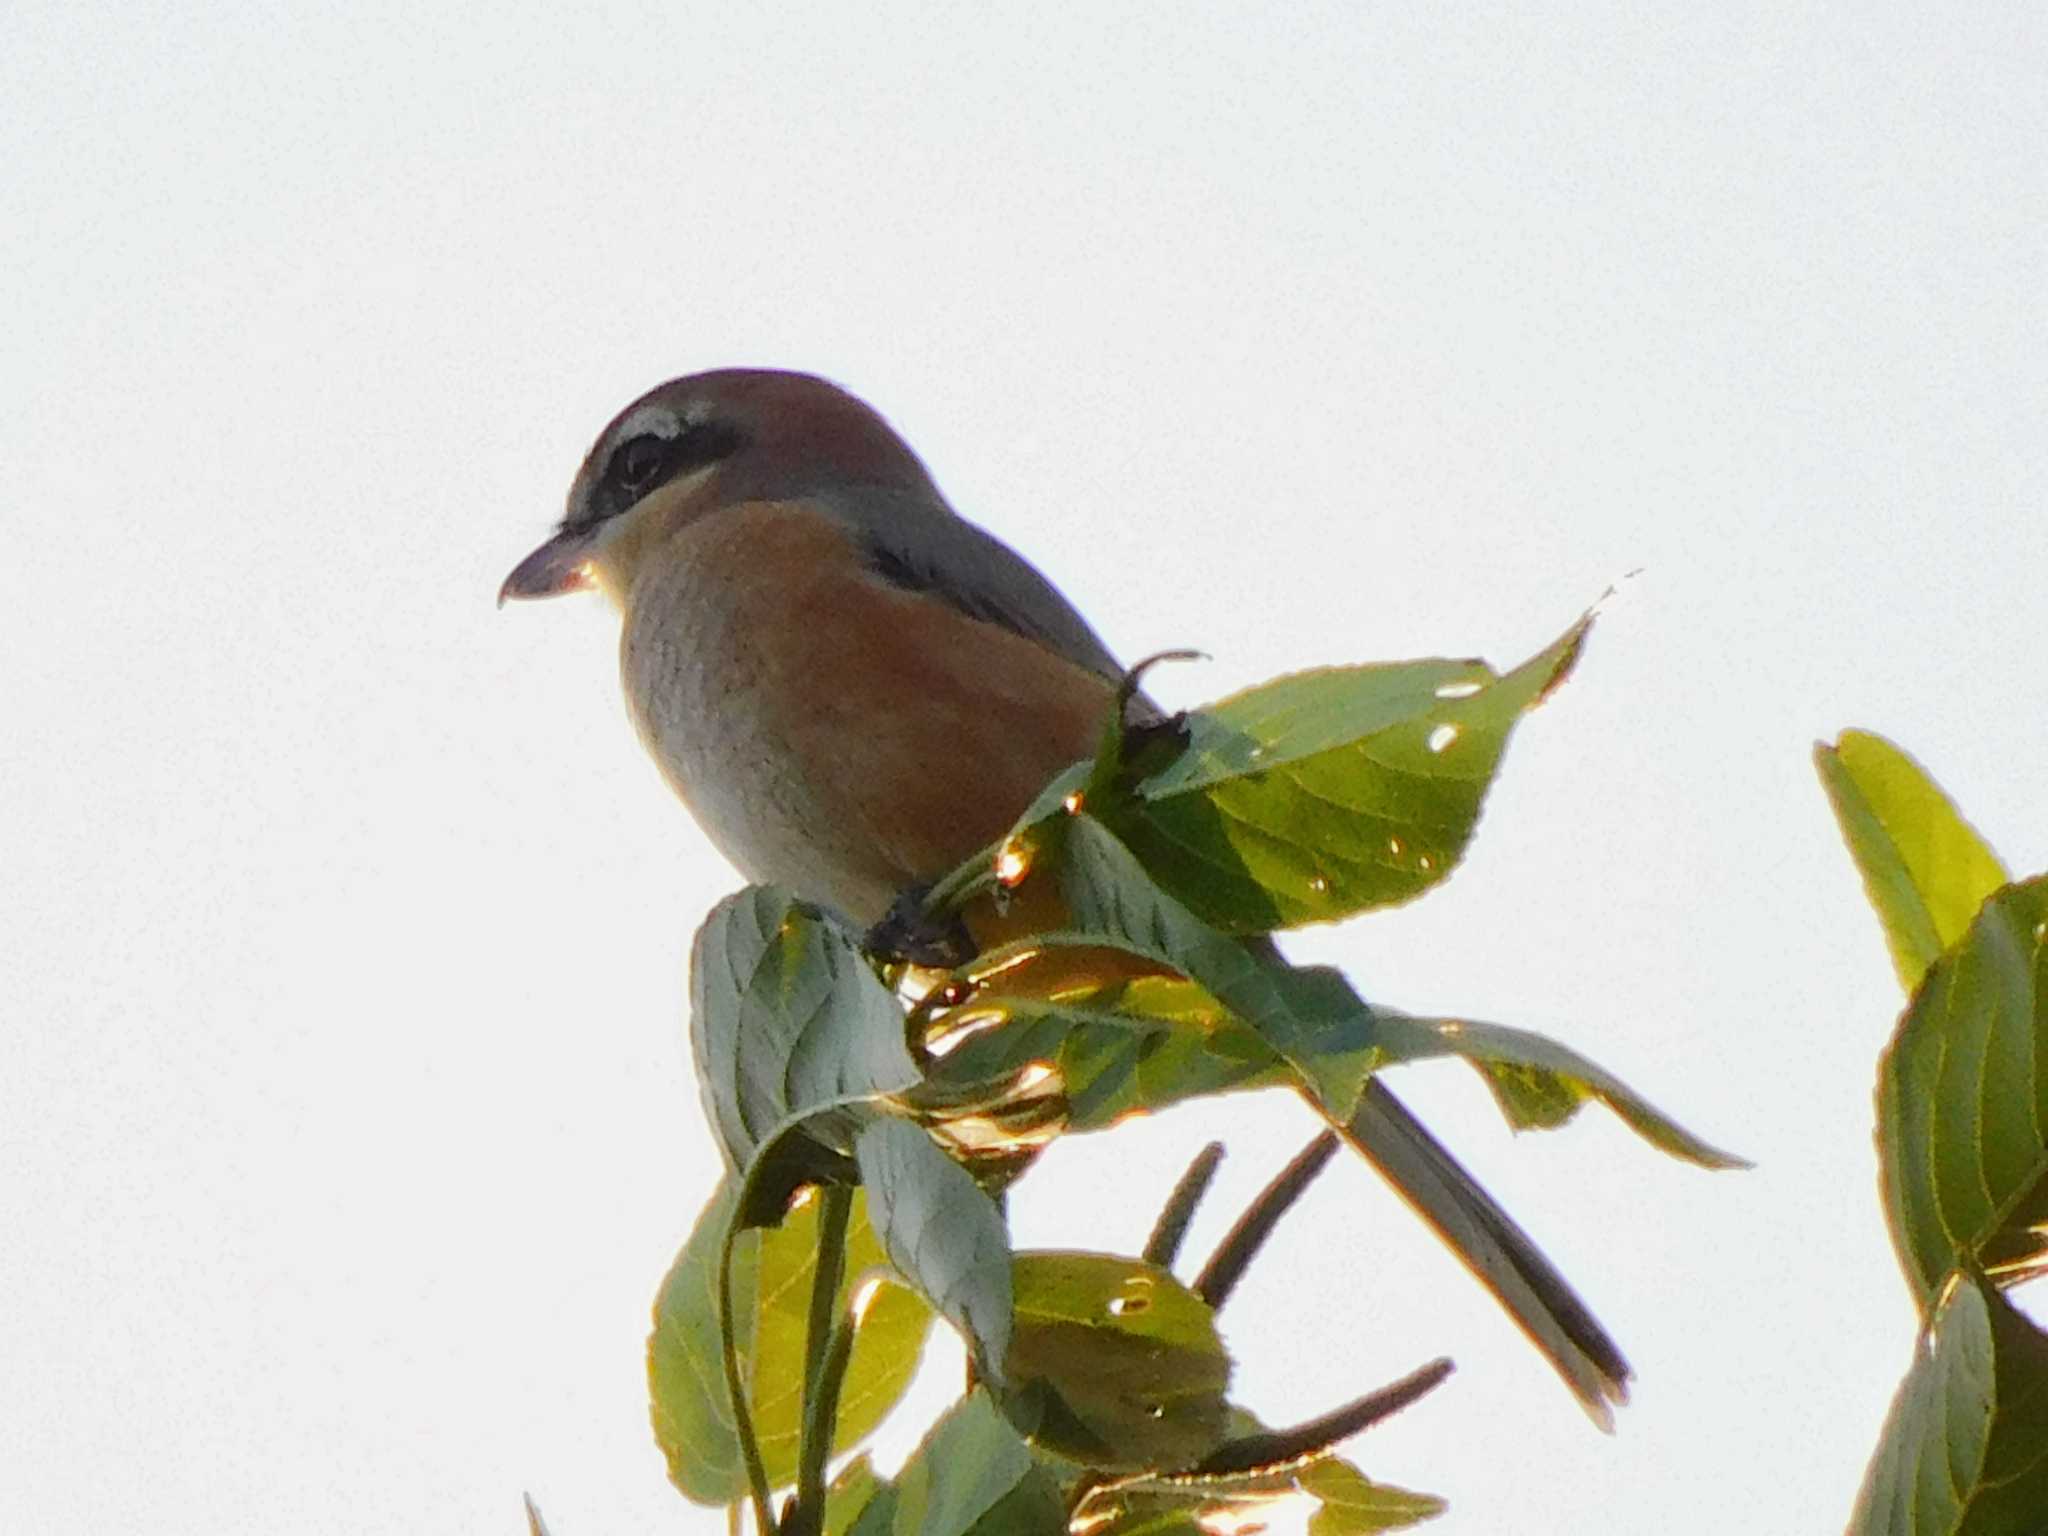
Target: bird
point(853, 689)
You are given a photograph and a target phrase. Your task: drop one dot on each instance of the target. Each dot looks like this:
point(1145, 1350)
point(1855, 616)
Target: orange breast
point(834, 733)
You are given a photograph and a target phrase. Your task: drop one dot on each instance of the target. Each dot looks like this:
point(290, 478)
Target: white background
point(346, 1124)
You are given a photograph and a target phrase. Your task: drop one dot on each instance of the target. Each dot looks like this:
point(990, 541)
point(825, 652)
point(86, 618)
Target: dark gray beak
point(558, 566)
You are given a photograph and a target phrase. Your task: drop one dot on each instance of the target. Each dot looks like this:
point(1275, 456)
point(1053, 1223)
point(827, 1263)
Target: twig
point(1163, 1246)
point(821, 1418)
point(836, 1210)
point(742, 1420)
point(1282, 1447)
point(1227, 1265)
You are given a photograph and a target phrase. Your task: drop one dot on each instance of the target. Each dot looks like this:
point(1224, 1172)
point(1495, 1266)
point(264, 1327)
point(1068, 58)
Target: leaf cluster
point(872, 1106)
point(1962, 1140)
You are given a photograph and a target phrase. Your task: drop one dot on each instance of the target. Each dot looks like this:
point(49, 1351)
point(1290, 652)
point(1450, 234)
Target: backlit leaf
point(1330, 792)
point(1925, 869)
point(773, 1271)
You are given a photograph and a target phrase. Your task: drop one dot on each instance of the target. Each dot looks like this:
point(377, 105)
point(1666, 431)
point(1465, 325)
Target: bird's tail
point(1503, 1256)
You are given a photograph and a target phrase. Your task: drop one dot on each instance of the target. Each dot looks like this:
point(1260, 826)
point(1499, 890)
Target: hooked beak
point(558, 566)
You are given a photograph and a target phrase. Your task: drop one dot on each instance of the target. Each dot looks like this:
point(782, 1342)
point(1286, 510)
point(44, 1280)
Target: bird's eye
point(638, 461)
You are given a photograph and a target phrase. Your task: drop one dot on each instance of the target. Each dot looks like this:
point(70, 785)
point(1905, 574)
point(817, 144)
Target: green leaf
point(786, 1019)
point(1114, 1363)
point(1354, 1506)
point(973, 1476)
point(851, 1492)
point(1962, 1103)
point(1330, 792)
point(1334, 1496)
point(1538, 1083)
point(1309, 1015)
point(1122, 1030)
point(1925, 869)
point(942, 1233)
point(1964, 1451)
point(772, 1283)
point(1328, 1037)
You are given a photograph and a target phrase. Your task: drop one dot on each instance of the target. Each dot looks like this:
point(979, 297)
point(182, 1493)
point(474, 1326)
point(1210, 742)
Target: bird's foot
point(908, 932)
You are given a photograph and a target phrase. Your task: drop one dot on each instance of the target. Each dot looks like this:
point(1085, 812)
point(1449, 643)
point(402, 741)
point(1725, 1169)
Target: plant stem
point(1283, 1447)
point(805, 1512)
point(1163, 1246)
point(836, 1211)
point(969, 880)
point(742, 1420)
point(1227, 1265)
point(821, 1417)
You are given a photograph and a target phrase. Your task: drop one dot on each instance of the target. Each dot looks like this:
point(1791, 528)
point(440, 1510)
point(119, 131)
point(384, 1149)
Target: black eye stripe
point(647, 461)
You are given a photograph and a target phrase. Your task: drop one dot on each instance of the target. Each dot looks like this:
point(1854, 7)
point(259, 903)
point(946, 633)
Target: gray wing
point(921, 545)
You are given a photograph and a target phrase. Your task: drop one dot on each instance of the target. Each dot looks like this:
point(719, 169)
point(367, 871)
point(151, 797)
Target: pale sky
point(346, 1122)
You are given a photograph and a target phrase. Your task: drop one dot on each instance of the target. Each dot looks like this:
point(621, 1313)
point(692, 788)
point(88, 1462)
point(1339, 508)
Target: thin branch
point(1283, 1447)
point(974, 877)
point(1227, 1265)
point(1163, 1246)
point(821, 1418)
point(742, 1420)
point(827, 1345)
point(836, 1210)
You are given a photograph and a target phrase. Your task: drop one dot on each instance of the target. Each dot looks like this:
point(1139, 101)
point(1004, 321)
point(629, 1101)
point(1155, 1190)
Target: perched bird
point(854, 689)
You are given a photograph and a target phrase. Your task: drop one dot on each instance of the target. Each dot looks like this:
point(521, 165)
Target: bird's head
point(695, 444)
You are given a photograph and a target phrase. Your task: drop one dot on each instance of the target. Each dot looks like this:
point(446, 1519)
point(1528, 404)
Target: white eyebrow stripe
point(648, 421)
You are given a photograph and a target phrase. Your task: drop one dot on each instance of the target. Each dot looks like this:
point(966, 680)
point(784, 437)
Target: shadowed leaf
point(1114, 1363)
point(1964, 1450)
point(972, 1475)
point(785, 1017)
point(1963, 1102)
point(942, 1234)
point(1538, 1083)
